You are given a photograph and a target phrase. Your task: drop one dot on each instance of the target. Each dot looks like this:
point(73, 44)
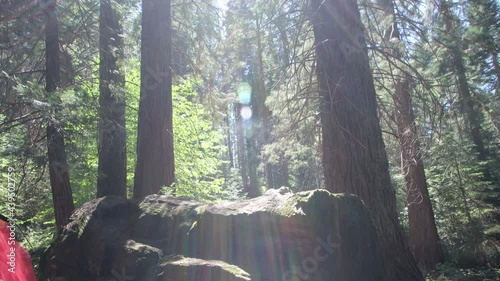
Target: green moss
point(292, 204)
point(289, 209)
point(150, 208)
point(82, 224)
point(145, 250)
point(200, 209)
point(236, 271)
point(193, 262)
point(298, 203)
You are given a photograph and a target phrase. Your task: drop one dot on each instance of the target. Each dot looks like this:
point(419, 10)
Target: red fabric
point(15, 265)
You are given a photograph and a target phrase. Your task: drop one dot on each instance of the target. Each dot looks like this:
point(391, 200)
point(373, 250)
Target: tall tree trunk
point(264, 113)
point(251, 144)
point(56, 149)
point(281, 173)
point(466, 101)
point(281, 25)
point(496, 68)
point(112, 176)
point(354, 157)
point(241, 150)
point(155, 147)
point(253, 140)
point(482, 15)
point(229, 142)
point(424, 239)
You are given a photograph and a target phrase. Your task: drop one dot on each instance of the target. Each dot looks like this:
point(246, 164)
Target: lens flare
point(246, 112)
point(244, 91)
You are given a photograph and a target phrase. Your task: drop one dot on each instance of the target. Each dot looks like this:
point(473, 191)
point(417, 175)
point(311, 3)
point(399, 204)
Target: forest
point(223, 101)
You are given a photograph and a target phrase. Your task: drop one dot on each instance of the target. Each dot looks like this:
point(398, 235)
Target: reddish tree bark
point(62, 195)
point(354, 157)
point(155, 146)
point(424, 239)
point(112, 169)
point(264, 113)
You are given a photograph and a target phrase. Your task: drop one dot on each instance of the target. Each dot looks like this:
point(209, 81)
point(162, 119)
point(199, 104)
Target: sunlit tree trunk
point(424, 239)
point(251, 147)
point(112, 171)
point(264, 113)
point(241, 149)
point(230, 152)
point(155, 147)
point(281, 175)
point(354, 157)
point(56, 149)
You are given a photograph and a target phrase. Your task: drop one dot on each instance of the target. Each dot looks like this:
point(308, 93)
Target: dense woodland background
point(245, 94)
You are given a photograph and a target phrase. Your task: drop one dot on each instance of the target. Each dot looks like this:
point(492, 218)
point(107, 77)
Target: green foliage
point(294, 104)
point(198, 147)
point(232, 186)
point(456, 180)
point(493, 232)
point(449, 272)
point(198, 143)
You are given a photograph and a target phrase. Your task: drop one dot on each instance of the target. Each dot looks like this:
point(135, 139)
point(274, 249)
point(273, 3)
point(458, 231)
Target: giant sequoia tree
point(155, 147)
point(424, 239)
point(112, 178)
point(264, 113)
point(58, 166)
point(354, 157)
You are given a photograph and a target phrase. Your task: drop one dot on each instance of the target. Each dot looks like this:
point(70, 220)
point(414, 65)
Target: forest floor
point(449, 273)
